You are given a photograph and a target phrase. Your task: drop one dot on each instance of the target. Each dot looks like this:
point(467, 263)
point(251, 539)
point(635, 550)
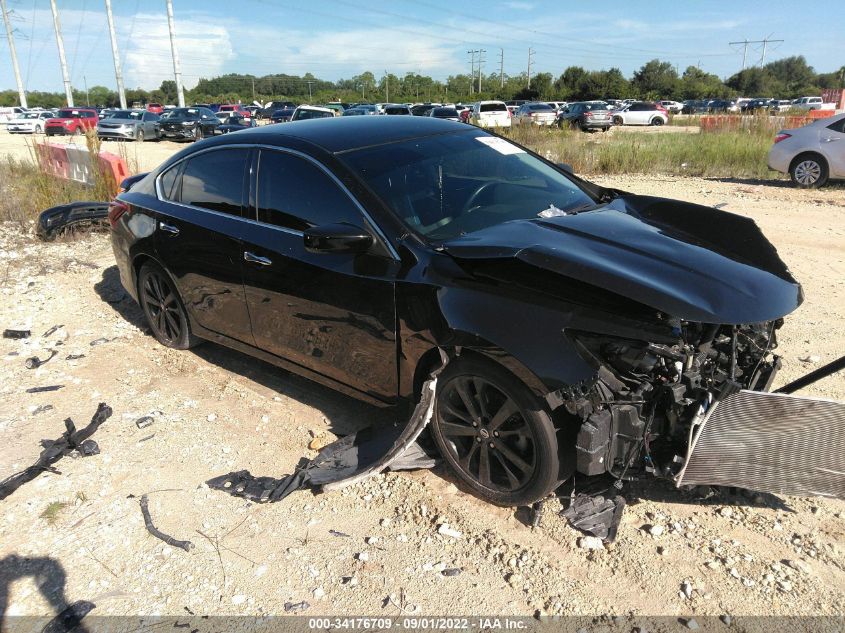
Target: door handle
point(168, 228)
point(830, 139)
point(257, 259)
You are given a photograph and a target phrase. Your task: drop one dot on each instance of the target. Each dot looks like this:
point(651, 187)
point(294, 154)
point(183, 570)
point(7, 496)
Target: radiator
point(769, 442)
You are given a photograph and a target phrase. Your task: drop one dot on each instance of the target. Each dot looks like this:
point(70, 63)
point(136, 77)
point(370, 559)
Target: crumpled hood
point(689, 261)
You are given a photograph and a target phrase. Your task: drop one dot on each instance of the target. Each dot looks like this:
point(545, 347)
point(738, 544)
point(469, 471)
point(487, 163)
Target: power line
point(746, 42)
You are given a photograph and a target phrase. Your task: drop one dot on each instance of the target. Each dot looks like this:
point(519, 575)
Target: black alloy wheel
point(163, 308)
point(198, 134)
point(494, 434)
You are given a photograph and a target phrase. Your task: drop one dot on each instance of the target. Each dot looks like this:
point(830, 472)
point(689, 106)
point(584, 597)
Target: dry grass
point(26, 191)
point(727, 154)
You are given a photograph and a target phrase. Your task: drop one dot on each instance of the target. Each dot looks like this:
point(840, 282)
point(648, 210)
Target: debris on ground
point(347, 460)
point(72, 439)
point(152, 529)
point(52, 331)
point(144, 422)
point(44, 389)
point(294, 607)
point(596, 515)
point(33, 362)
point(42, 409)
point(16, 334)
point(70, 618)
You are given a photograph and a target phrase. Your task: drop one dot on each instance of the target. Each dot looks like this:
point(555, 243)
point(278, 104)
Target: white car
point(29, 122)
point(304, 112)
point(9, 113)
point(672, 106)
point(811, 154)
point(490, 114)
point(639, 113)
point(535, 114)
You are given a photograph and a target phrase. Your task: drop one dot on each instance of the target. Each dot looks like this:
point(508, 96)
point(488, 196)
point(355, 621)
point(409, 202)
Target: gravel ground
point(216, 410)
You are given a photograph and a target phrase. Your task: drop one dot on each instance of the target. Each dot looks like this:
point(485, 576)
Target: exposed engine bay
point(638, 414)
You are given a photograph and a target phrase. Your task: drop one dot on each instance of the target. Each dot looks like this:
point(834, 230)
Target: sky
point(335, 39)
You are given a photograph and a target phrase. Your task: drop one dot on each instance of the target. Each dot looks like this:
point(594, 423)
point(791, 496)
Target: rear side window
point(215, 180)
point(293, 193)
point(838, 126)
point(167, 182)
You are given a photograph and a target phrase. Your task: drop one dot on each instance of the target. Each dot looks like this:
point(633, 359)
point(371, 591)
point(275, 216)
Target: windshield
point(445, 112)
point(30, 115)
point(69, 114)
point(449, 185)
point(595, 106)
point(493, 107)
point(181, 113)
point(125, 114)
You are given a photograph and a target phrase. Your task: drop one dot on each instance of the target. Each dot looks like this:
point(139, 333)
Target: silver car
point(811, 154)
point(132, 125)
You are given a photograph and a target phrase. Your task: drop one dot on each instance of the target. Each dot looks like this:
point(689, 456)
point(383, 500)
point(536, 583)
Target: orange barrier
point(821, 114)
point(73, 162)
point(718, 122)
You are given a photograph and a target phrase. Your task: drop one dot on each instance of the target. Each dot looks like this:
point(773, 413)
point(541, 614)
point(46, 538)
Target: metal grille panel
point(771, 442)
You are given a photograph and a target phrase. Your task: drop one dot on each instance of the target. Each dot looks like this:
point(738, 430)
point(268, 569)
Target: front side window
point(449, 185)
point(293, 193)
point(215, 180)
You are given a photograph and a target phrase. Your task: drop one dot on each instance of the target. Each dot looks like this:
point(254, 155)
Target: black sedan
point(235, 123)
point(188, 124)
point(586, 327)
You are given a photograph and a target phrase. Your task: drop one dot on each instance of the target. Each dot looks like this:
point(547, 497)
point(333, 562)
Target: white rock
point(590, 542)
point(239, 599)
point(686, 587)
point(445, 530)
point(211, 417)
point(371, 540)
point(362, 556)
point(656, 530)
point(260, 571)
point(318, 593)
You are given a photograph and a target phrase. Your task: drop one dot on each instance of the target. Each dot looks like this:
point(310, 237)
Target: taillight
point(116, 210)
point(782, 137)
point(587, 114)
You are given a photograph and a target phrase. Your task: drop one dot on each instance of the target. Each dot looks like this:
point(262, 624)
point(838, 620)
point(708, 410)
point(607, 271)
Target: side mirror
point(566, 167)
point(337, 238)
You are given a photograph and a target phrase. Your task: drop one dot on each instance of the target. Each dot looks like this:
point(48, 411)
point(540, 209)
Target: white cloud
point(520, 6)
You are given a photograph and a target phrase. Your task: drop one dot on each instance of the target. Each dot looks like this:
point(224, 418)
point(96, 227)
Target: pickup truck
point(813, 103)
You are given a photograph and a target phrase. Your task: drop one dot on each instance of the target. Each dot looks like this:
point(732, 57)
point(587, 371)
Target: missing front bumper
point(769, 442)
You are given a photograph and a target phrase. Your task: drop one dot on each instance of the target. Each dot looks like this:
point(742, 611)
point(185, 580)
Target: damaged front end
point(696, 411)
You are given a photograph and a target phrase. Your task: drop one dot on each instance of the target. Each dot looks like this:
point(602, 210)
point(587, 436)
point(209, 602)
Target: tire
point(808, 171)
point(38, 129)
point(657, 121)
point(139, 137)
point(163, 308)
point(504, 425)
point(198, 134)
point(617, 120)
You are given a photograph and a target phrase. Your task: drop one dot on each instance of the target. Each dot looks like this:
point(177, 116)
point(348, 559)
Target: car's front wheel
point(495, 435)
point(163, 308)
point(139, 137)
point(808, 171)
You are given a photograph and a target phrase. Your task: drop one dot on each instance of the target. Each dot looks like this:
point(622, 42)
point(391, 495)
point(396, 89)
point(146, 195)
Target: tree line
point(786, 78)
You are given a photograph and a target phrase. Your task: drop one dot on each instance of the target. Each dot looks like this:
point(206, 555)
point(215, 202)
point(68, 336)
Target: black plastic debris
point(51, 331)
point(294, 607)
point(44, 389)
point(341, 534)
point(16, 333)
point(152, 529)
point(596, 515)
point(99, 341)
point(73, 217)
point(455, 571)
point(74, 356)
point(42, 409)
point(33, 362)
point(70, 618)
point(344, 461)
point(71, 440)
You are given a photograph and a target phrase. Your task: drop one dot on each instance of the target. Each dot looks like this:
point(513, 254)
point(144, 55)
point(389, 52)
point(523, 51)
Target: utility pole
point(471, 70)
point(386, 87)
point(530, 61)
point(61, 45)
point(765, 41)
point(118, 73)
point(177, 70)
point(309, 82)
point(253, 88)
point(502, 67)
point(21, 91)
point(87, 94)
point(481, 60)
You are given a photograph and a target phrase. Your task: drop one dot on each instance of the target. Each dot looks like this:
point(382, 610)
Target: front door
point(198, 237)
point(832, 145)
point(332, 313)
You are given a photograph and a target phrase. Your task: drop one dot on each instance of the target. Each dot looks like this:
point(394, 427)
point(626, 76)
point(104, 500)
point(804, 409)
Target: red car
point(236, 108)
point(155, 108)
point(72, 121)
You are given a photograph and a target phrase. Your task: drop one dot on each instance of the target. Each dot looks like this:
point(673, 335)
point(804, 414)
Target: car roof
point(341, 134)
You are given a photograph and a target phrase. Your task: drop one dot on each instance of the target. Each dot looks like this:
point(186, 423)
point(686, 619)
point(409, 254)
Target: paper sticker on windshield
point(500, 145)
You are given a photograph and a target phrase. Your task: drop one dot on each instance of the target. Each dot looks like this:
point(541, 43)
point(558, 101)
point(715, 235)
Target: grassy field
point(729, 154)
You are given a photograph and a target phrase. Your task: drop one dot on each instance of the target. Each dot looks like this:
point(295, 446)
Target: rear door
point(832, 145)
point(198, 237)
point(332, 313)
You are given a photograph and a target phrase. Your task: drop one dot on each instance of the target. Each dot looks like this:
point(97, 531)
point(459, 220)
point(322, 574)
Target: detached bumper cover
point(770, 442)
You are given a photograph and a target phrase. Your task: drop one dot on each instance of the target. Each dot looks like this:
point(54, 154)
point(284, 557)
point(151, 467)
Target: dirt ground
point(79, 533)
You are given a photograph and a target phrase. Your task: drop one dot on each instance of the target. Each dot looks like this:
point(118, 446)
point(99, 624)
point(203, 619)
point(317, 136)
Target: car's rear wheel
point(494, 434)
point(657, 121)
point(617, 120)
point(808, 171)
point(163, 308)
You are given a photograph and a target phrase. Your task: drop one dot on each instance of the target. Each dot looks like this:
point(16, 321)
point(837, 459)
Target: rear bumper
point(588, 125)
